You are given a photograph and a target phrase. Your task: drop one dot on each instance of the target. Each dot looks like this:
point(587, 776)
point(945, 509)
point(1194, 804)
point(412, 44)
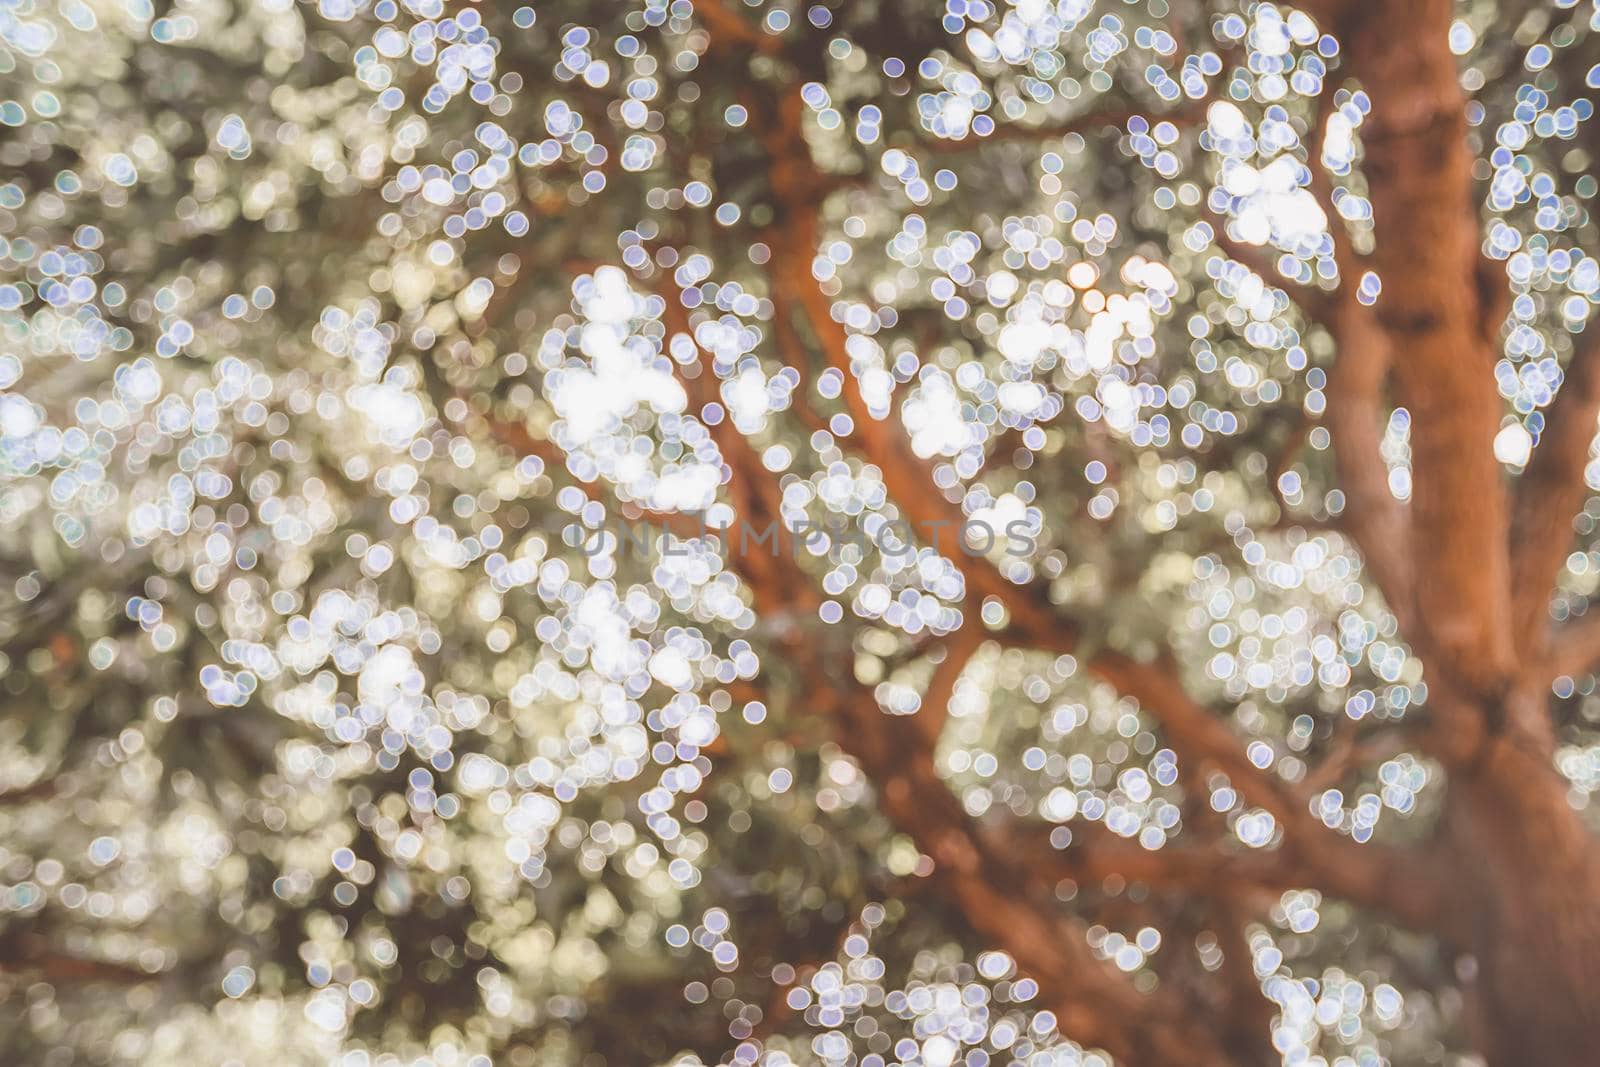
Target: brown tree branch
point(1357, 417)
point(999, 890)
point(1574, 648)
point(1356, 412)
point(1419, 173)
point(43, 789)
point(1094, 855)
point(1373, 876)
point(1321, 187)
point(1008, 896)
point(908, 478)
point(1361, 872)
point(957, 650)
point(1352, 753)
point(1549, 495)
point(1007, 893)
point(1262, 259)
point(1191, 728)
point(28, 953)
point(726, 23)
point(517, 437)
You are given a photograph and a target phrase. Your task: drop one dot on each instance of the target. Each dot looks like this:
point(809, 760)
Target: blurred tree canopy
point(752, 532)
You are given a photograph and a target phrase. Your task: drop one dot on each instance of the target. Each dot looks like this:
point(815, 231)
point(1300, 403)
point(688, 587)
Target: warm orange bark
point(1524, 871)
point(1419, 174)
point(1550, 493)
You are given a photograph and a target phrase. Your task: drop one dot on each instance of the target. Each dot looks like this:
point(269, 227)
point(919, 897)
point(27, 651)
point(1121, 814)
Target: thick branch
point(907, 477)
point(998, 890)
point(1206, 869)
point(41, 789)
point(30, 954)
point(1008, 896)
point(516, 436)
point(728, 24)
point(1357, 412)
point(1419, 175)
point(1357, 417)
point(1191, 728)
point(1262, 259)
point(1550, 494)
point(1574, 648)
point(958, 650)
point(1311, 854)
point(1353, 753)
point(1007, 893)
point(1321, 187)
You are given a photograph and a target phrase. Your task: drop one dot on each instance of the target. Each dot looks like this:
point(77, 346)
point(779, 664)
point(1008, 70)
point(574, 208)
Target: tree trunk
point(1527, 917)
point(1430, 313)
point(1524, 870)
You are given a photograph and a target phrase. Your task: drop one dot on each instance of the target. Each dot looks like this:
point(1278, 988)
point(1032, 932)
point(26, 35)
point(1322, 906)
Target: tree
point(729, 532)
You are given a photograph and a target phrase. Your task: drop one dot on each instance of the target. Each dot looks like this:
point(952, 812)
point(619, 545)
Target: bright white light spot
point(1513, 445)
point(939, 1051)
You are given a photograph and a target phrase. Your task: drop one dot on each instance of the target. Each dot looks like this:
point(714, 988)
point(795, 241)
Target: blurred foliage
point(330, 334)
